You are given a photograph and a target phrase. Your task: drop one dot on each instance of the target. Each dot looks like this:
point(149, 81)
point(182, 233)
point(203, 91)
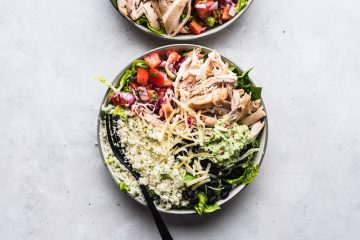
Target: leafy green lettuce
point(250, 173)
point(241, 4)
point(131, 72)
point(210, 21)
point(187, 178)
point(121, 112)
point(124, 187)
point(145, 22)
point(202, 207)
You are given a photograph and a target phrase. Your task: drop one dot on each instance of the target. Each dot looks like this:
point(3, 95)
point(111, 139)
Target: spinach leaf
point(243, 82)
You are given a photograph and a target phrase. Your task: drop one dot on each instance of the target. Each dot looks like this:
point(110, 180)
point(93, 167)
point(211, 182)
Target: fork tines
point(115, 144)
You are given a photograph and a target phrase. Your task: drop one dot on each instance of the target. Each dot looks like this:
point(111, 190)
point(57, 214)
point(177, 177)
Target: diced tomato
point(153, 96)
point(173, 55)
point(225, 14)
point(195, 27)
point(156, 77)
point(142, 76)
point(161, 92)
point(153, 59)
point(205, 12)
point(169, 51)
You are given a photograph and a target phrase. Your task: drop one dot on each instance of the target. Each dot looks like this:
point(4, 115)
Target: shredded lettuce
point(211, 208)
point(139, 64)
point(121, 112)
point(144, 21)
point(124, 187)
point(241, 4)
point(126, 78)
point(202, 207)
point(210, 21)
point(250, 173)
point(187, 178)
point(107, 83)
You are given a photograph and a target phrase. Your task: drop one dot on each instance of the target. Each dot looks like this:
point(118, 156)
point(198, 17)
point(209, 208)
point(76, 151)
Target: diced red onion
point(200, 6)
point(232, 11)
point(128, 97)
point(162, 63)
point(143, 94)
point(190, 121)
point(214, 6)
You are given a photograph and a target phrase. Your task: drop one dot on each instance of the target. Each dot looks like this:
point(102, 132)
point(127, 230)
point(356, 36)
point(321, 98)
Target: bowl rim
point(259, 156)
point(190, 36)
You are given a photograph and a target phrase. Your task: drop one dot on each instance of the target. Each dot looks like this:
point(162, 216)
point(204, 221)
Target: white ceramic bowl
point(178, 47)
point(187, 37)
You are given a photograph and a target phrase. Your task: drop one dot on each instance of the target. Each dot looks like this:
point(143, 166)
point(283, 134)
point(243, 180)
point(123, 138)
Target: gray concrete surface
point(306, 55)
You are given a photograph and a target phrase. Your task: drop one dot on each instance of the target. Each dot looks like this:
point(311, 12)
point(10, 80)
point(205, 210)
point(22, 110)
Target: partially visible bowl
point(259, 156)
point(187, 37)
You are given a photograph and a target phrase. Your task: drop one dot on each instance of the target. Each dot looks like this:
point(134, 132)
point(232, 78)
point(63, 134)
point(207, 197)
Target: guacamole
point(226, 142)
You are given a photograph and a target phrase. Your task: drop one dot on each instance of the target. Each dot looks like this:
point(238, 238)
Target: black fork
point(115, 145)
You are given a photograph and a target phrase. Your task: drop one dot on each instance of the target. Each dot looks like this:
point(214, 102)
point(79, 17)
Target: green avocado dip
point(226, 142)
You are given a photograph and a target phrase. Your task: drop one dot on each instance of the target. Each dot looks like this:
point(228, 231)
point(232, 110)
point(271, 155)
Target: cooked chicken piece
point(202, 74)
point(206, 84)
point(254, 106)
point(124, 6)
point(218, 67)
point(183, 68)
point(209, 121)
point(239, 106)
point(222, 110)
point(235, 100)
point(204, 101)
point(164, 5)
point(145, 8)
point(172, 16)
point(156, 7)
point(151, 16)
point(244, 106)
point(253, 118)
point(217, 98)
point(255, 130)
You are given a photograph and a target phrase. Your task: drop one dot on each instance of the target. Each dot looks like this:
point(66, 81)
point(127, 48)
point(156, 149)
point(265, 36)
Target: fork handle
point(163, 230)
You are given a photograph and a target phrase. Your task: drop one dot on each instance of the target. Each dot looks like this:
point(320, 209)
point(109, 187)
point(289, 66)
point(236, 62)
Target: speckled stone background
point(53, 185)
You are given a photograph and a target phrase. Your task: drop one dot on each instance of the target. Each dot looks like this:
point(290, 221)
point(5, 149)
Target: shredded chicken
point(172, 16)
